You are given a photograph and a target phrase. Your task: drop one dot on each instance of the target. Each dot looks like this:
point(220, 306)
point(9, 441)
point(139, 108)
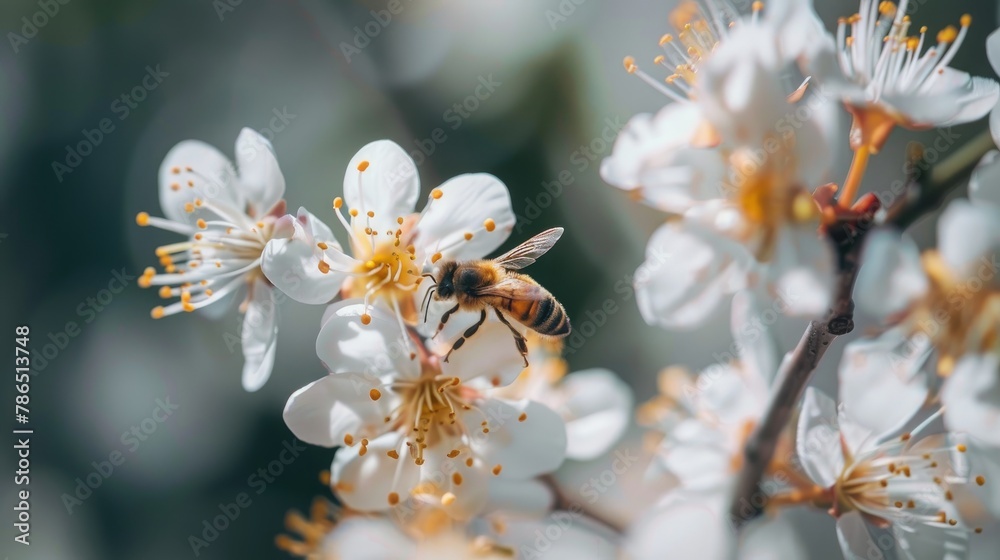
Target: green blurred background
point(321, 79)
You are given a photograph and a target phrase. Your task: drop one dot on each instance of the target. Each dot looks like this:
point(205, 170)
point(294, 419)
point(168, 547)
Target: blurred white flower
point(330, 534)
point(993, 53)
point(414, 426)
point(696, 525)
point(908, 490)
point(945, 301)
point(467, 217)
point(229, 217)
point(706, 419)
point(673, 160)
point(761, 231)
point(595, 403)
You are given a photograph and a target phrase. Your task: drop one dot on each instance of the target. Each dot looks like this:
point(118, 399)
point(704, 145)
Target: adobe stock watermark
point(31, 25)
point(131, 440)
point(581, 159)
point(564, 10)
point(258, 481)
point(371, 29)
point(122, 107)
point(87, 310)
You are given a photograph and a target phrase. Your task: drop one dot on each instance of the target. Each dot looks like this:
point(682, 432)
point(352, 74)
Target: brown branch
point(926, 189)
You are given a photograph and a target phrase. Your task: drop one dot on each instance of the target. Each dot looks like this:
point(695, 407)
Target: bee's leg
point(468, 333)
point(522, 343)
point(444, 319)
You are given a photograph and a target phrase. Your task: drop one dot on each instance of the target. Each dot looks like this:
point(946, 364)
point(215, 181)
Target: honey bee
point(494, 283)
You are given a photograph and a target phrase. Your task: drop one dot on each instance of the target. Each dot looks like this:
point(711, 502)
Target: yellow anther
point(165, 292)
point(980, 480)
point(393, 498)
point(144, 281)
point(202, 224)
point(666, 39)
point(375, 394)
point(436, 194)
point(962, 448)
point(947, 35)
point(435, 258)
point(456, 478)
point(629, 63)
point(175, 186)
point(393, 454)
point(175, 170)
point(353, 212)
point(366, 319)
point(188, 207)
point(348, 439)
point(324, 267)
point(142, 219)
point(522, 417)
point(322, 246)
point(453, 453)
point(468, 236)
point(363, 165)
point(497, 469)
point(489, 224)
point(966, 20)
point(338, 203)
point(447, 499)
point(887, 8)
point(757, 6)
point(156, 312)
point(468, 462)
point(912, 43)
point(187, 307)
point(659, 59)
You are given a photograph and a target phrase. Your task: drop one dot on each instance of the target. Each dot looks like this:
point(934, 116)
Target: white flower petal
point(891, 275)
point(984, 185)
point(881, 383)
point(520, 497)
point(667, 157)
point(366, 538)
point(369, 477)
point(687, 529)
point(599, 407)
point(324, 411)
point(993, 50)
point(472, 494)
point(754, 343)
point(967, 236)
point(489, 356)
point(685, 277)
point(523, 449)
point(802, 274)
point(376, 349)
point(212, 178)
point(817, 440)
point(260, 336)
point(975, 98)
point(971, 397)
point(699, 456)
point(261, 178)
point(292, 263)
point(771, 538)
point(932, 542)
point(466, 203)
point(389, 186)
point(857, 541)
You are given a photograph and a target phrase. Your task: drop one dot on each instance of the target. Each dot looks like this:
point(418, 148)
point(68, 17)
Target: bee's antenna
point(426, 303)
point(428, 275)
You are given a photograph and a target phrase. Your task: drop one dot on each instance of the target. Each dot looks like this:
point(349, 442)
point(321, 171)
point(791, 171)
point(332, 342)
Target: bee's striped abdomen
point(545, 316)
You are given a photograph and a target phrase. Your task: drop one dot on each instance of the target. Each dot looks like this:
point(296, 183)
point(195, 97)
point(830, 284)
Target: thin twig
point(928, 187)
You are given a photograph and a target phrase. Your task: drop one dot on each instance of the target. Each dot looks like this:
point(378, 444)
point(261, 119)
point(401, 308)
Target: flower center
point(222, 253)
point(768, 196)
point(903, 484)
point(881, 56)
point(958, 316)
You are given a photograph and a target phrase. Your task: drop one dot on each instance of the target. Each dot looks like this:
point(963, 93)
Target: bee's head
point(446, 280)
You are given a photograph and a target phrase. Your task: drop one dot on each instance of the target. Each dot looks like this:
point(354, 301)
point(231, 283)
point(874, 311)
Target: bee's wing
point(513, 288)
point(526, 253)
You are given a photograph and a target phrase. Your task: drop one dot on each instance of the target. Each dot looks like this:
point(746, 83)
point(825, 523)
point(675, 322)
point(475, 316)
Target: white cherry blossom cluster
point(452, 441)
